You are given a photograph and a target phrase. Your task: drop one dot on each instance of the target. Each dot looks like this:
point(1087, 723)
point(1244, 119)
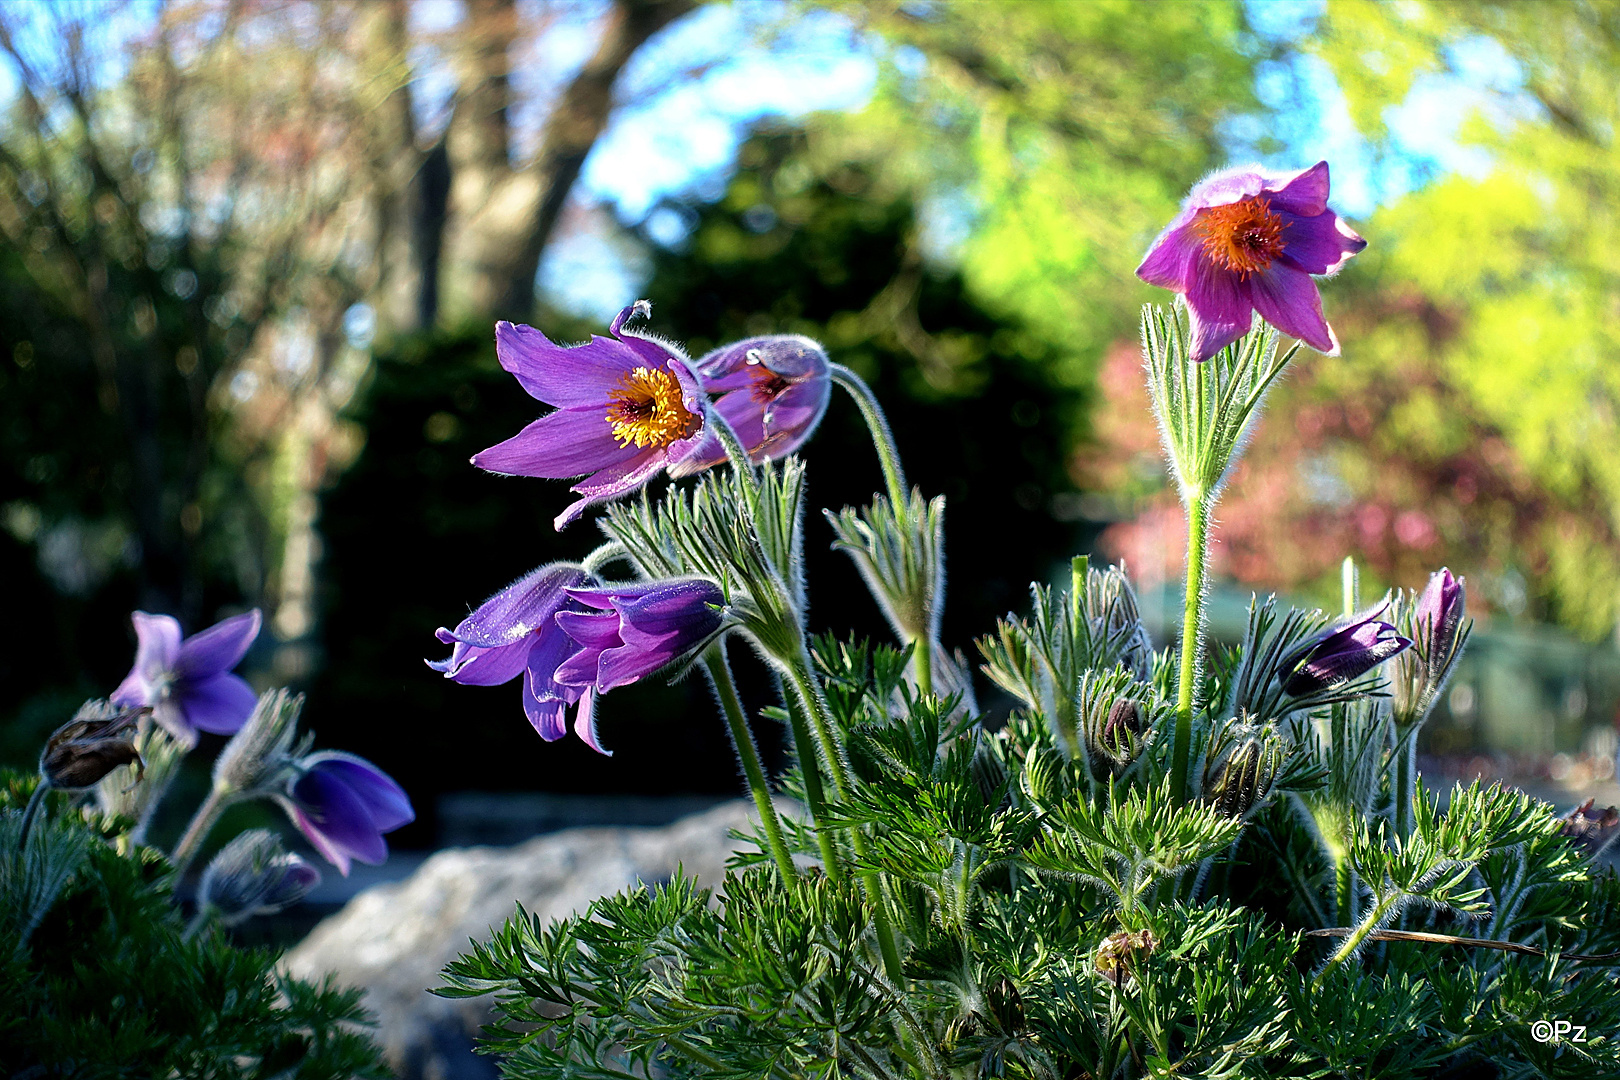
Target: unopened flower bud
point(1123, 726)
point(98, 739)
point(261, 751)
point(1439, 629)
point(1115, 620)
point(255, 875)
point(1243, 779)
point(1339, 654)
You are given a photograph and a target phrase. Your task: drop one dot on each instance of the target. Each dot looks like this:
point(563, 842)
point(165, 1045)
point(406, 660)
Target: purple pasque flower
point(1248, 240)
point(188, 682)
point(1439, 615)
point(774, 391)
point(628, 406)
point(635, 630)
point(343, 804)
point(1439, 627)
point(514, 633)
point(1339, 653)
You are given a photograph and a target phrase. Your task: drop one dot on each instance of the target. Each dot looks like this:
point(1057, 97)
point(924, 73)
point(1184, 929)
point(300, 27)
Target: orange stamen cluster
point(647, 409)
point(1241, 237)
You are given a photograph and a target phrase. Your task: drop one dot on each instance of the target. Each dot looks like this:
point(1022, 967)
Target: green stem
point(735, 452)
point(1192, 638)
point(922, 653)
point(714, 661)
point(196, 832)
point(603, 555)
point(882, 438)
point(1345, 892)
point(804, 685)
point(1405, 772)
point(198, 921)
point(1353, 942)
point(804, 748)
point(35, 801)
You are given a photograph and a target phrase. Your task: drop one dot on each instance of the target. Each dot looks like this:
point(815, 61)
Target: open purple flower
point(1246, 241)
point(188, 683)
point(638, 629)
point(774, 391)
point(343, 804)
point(514, 633)
point(1338, 654)
point(627, 407)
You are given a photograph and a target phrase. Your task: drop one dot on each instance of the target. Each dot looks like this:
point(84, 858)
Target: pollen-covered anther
point(1242, 237)
point(647, 409)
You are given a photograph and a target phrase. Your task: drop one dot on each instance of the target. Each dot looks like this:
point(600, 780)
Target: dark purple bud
point(1123, 726)
point(1340, 653)
point(254, 875)
point(1440, 621)
point(96, 741)
point(343, 804)
point(636, 630)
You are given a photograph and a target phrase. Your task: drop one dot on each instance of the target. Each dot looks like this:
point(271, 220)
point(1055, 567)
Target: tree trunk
point(502, 218)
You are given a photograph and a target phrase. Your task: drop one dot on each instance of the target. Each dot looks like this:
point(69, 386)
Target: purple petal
point(521, 608)
point(593, 634)
point(1320, 244)
point(1219, 308)
point(219, 648)
point(172, 718)
point(329, 850)
point(1288, 299)
point(339, 814)
point(585, 723)
point(552, 646)
point(612, 482)
point(632, 663)
point(158, 645)
point(470, 665)
point(220, 704)
point(650, 350)
point(560, 375)
point(684, 606)
point(568, 442)
point(547, 714)
point(1173, 259)
point(1304, 193)
point(384, 799)
point(1225, 186)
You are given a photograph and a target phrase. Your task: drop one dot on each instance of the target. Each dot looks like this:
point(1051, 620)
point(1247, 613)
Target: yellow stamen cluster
point(646, 408)
point(1242, 237)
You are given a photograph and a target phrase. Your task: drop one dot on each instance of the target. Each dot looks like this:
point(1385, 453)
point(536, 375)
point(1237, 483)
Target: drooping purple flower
point(514, 633)
point(635, 630)
point(188, 683)
point(343, 804)
point(1245, 241)
point(1339, 653)
point(254, 875)
point(628, 406)
point(774, 391)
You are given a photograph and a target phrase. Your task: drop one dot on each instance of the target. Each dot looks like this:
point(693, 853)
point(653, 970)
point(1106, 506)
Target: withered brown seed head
point(83, 750)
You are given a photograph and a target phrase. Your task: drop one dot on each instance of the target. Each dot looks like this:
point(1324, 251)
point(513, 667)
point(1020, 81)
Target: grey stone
point(392, 940)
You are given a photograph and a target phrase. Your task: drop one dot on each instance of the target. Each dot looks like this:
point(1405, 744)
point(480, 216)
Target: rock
point(392, 940)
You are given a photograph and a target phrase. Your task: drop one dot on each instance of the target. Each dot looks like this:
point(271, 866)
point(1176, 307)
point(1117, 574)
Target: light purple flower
point(635, 630)
point(1339, 653)
point(514, 633)
point(628, 406)
point(343, 804)
point(774, 391)
point(1246, 241)
point(188, 683)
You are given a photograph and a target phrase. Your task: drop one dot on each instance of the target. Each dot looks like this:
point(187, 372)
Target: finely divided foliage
point(1191, 862)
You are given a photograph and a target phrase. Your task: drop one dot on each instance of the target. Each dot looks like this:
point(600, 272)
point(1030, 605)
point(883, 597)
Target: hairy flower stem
point(602, 556)
point(804, 748)
point(735, 453)
point(801, 674)
point(1345, 882)
point(922, 656)
point(882, 438)
point(30, 812)
point(1192, 637)
point(742, 738)
point(201, 823)
point(1405, 769)
point(1353, 942)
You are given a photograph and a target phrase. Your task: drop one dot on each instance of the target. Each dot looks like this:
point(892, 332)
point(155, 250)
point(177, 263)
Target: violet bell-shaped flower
point(514, 633)
point(1340, 653)
point(188, 682)
point(636, 630)
point(343, 804)
point(628, 406)
point(774, 391)
point(1247, 240)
